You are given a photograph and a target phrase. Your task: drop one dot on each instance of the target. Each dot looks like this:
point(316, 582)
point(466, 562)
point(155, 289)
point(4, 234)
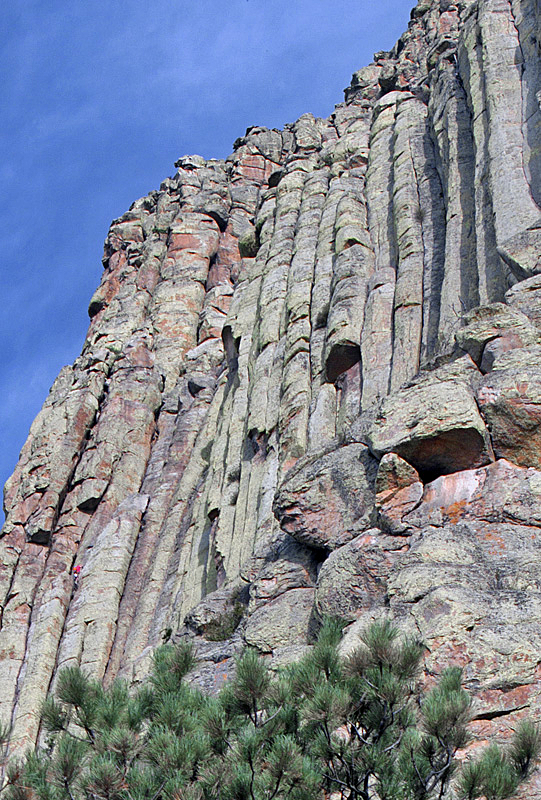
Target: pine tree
point(357, 728)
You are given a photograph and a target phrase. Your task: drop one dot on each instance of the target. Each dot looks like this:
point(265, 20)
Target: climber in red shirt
point(76, 572)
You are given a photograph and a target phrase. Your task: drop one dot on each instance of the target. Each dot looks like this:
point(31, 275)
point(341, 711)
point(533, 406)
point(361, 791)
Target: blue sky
point(99, 99)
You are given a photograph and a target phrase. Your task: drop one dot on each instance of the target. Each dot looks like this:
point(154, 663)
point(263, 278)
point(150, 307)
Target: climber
point(76, 573)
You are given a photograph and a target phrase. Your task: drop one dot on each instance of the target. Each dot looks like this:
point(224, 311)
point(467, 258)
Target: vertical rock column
point(517, 216)
point(185, 561)
point(451, 121)
point(376, 338)
point(408, 167)
point(163, 579)
point(491, 269)
point(105, 365)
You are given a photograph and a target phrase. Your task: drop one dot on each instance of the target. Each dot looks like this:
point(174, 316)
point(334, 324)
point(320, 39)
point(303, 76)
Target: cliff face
point(310, 385)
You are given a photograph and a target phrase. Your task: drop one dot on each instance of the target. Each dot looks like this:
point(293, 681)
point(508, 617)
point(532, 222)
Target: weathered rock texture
point(310, 385)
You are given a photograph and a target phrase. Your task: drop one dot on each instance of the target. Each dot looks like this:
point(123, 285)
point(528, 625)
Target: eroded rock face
point(493, 329)
point(467, 581)
point(353, 580)
point(327, 499)
point(310, 385)
point(398, 490)
point(434, 423)
point(510, 400)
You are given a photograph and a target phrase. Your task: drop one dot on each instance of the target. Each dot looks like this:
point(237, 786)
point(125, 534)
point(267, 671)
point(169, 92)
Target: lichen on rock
point(310, 386)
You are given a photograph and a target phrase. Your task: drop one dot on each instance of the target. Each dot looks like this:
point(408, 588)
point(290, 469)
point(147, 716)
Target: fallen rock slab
point(434, 424)
point(328, 499)
point(353, 579)
point(286, 620)
point(510, 400)
point(493, 322)
point(398, 491)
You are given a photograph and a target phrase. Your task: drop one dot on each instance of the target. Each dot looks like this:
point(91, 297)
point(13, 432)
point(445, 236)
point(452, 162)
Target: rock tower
point(311, 385)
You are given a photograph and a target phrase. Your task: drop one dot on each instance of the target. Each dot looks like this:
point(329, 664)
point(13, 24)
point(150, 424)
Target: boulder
point(434, 423)
point(219, 613)
point(353, 579)
point(491, 324)
point(327, 499)
point(510, 400)
point(469, 585)
point(285, 621)
point(500, 492)
point(525, 296)
point(290, 566)
point(398, 491)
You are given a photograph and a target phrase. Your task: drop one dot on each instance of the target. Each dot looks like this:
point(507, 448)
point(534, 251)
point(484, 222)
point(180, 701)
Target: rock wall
point(310, 385)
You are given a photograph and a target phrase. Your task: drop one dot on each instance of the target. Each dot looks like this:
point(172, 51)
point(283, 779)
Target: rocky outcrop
point(326, 499)
point(510, 400)
point(310, 386)
point(434, 423)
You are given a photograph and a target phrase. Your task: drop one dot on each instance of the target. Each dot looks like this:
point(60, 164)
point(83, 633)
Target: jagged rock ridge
point(310, 385)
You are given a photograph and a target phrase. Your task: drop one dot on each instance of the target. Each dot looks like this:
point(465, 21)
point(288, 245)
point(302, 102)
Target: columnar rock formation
point(310, 385)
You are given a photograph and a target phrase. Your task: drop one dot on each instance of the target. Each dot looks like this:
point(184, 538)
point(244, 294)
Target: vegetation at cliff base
point(355, 728)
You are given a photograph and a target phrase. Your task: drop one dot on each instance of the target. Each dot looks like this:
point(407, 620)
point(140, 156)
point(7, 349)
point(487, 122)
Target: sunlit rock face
point(311, 384)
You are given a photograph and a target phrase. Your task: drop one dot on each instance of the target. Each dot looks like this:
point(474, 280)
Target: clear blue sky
point(99, 99)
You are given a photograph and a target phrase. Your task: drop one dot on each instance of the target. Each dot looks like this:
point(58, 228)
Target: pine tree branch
point(68, 790)
point(158, 791)
point(366, 786)
point(278, 782)
point(273, 716)
point(413, 761)
point(336, 780)
point(89, 732)
point(250, 762)
point(362, 792)
point(394, 744)
point(358, 733)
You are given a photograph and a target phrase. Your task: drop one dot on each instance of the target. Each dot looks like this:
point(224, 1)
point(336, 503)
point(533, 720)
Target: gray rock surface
point(325, 500)
point(301, 365)
point(510, 399)
point(434, 424)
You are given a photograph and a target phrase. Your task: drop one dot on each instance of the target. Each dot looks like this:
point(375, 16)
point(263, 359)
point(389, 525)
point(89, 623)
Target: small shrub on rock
point(224, 626)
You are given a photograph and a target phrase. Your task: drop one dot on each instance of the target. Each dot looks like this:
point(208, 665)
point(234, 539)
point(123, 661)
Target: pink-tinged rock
point(291, 566)
point(125, 230)
point(196, 233)
point(471, 590)
point(448, 22)
point(185, 265)
point(202, 437)
point(148, 276)
point(327, 499)
point(494, 326)
point(214, 312)
point(525, 296)
point(500, 492)
point(452, 494)
point(398, 491)
point(226, 260)
point(497, 347)
point(467, 584)
point(510, 400)
point(137, 354)
point(51, 452)
point(253, 167)
point(218, 274)
point(353, 579)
